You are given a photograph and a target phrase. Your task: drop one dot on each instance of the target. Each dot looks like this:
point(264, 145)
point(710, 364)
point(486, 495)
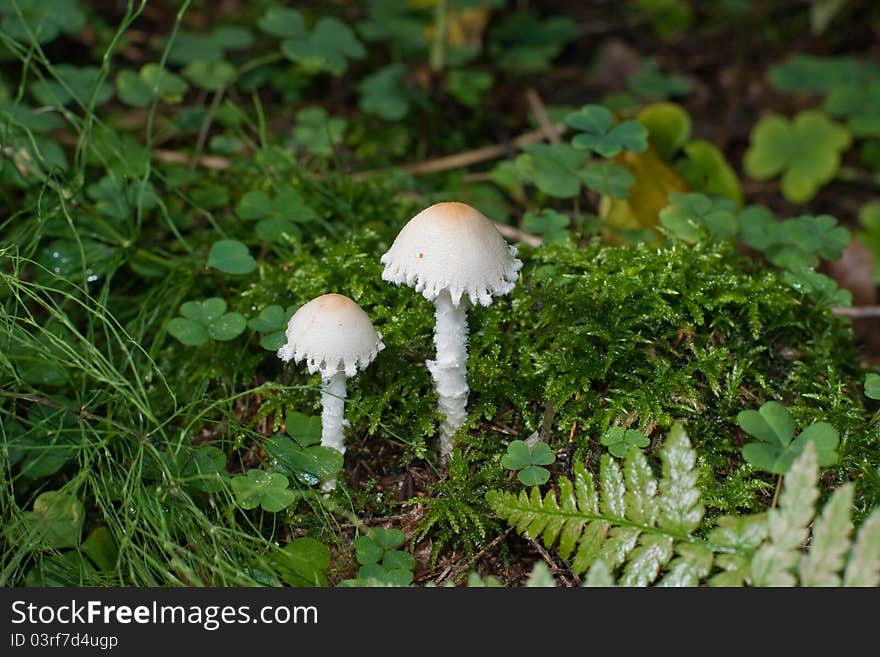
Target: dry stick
point(857, 312)
point(466, 158)
point(453, 572)
point(538, 109)
point(177, 157)
point(554, 566)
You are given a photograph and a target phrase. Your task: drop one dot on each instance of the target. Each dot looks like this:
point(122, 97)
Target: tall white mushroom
point(454, 256)
point(336, 338)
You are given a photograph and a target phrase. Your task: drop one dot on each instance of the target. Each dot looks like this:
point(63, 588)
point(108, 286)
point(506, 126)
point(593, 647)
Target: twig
point(177, 157)
point(540, 112)
point(453, 572)
point(554, 566)
point(518, 235)
point(465, 158)
point(857, 312)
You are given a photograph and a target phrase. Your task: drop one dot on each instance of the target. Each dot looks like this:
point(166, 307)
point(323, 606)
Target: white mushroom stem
point(449, 370)
point(333, 411)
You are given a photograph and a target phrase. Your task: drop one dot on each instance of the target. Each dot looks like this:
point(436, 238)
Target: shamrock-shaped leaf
point(553, 168)
point(468, 87)
point(309, 463)
point(25, 117)
point(859, 104)
point(302, 562)
point(805, 151)
point(52, 440)
point(706, 170)
point(188, 47)
point(872, 386)
point(101, 548)
point(607, 178)
point(327, 47)
point(528, 459)
point(386, 93)
point(57, 519)
point(598, 132)
point(777, 448)
point(822, 289)
point(619, 440)
point(869, 219)
point(210, 75)
point(304, 429)
point(72, 84)
point(522, 41)
point(651, 84)
point(151, 84)
point(551, 224)
point(820, 74)
point(40, 20)
point(689, 216)
point(278, 217)
point(272, 323)
point(381, 560)
point(316, 132)
point(119, 199)
point(794, 244)
point(264, 489)
point(232, 257)
point(207, 470)
point(206, 320)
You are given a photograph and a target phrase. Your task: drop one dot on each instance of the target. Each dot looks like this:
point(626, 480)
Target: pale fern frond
point(863, 568)
point(821, 566)
point(599, 575)
point(776, 559)
point(740, 536)
point(680, 507)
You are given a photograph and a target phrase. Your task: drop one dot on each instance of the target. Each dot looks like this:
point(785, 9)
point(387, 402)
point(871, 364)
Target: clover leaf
point(40, 20)
point(777, 448)
point(53, 439)
point(528, 459)
point(188, 47)
point(231, 257)
point(522, 41)
point(151, 84)
point(607, 178)
point(552, 225)
point(553, 168)
point(872, 386)
point(859, 104)
point(327, 47)
point(299, 456)
point(316, 132)
point(386, 93)
point(651, 84)
point(619, 440)
point(689, 216)
point(380, 559)
point(820, 74)
point(794, 244)
point(206, 320)
point(599, 134)
point(264, 489)
point(669, 127)
point(805, 152)
point(869, 219)
point(278, 217)
point(705, 169)
point(73, 84)
point(57, 519)
point(302, 562)
point(272, 323)
point(207, 469)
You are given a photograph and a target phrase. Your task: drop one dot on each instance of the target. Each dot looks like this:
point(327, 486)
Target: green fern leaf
point(613, 490)
point(646, 560)
point(831, 531)
point(690, 567)
point(775, 560)
point(599, 575)
point(739, 536)
point(641, 489)
point(863, 568)
point(680, 508)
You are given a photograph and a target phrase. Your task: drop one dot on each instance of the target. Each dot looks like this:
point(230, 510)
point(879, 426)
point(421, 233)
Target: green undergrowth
point(101, 402)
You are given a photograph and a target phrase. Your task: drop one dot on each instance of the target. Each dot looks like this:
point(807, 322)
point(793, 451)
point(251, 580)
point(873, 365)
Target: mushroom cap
point(452, 246)
point(332, 333)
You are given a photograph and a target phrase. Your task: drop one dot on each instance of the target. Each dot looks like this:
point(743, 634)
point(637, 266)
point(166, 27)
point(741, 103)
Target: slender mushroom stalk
point(336, 339)
point(455, 257)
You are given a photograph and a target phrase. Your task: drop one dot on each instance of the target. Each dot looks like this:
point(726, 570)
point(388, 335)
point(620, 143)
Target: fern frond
point(821, 566)
point(775, 561)
point(863, 568)
point(632, 520)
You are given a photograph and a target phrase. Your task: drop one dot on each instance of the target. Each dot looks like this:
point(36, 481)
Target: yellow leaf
point(655, 181)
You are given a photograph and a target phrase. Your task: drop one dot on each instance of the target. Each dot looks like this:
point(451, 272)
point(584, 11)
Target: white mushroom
point(453, 255)
point(336, 338)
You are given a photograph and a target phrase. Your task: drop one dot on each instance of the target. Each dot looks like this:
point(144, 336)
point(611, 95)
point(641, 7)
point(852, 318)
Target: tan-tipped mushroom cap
point(452, 246)
point(332, 333)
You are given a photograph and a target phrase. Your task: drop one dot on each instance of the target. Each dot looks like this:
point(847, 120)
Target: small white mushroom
point(336, 338)
point(454, 256)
